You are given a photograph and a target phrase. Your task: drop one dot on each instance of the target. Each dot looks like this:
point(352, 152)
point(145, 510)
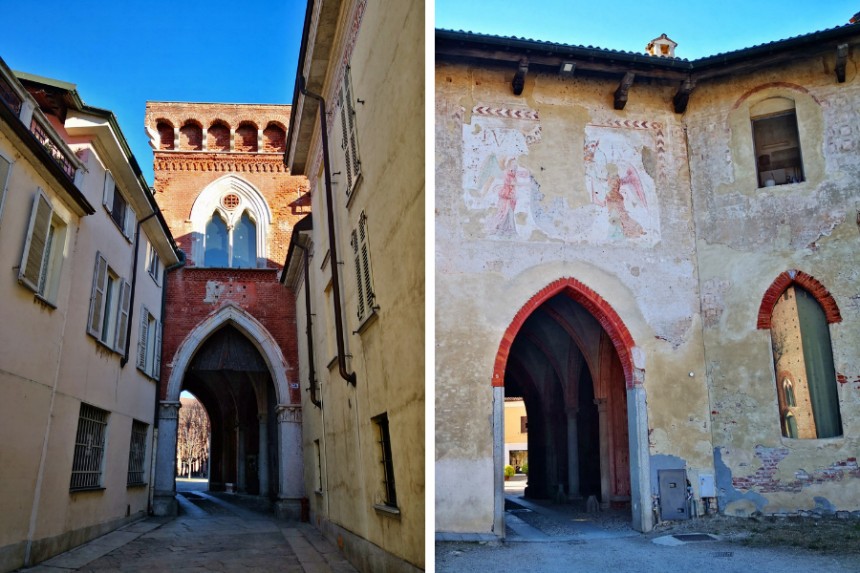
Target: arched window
point(165, 135)
point(803, 361)
point(776, 141)
point(218, 137)
point(191, 137)
point(274, 138)
point(244, 243)
point(217, 242)
point(246, 137)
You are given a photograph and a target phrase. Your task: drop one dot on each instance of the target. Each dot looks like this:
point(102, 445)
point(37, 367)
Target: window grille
point(89, 448)
point(384, 441)
point(137, 453)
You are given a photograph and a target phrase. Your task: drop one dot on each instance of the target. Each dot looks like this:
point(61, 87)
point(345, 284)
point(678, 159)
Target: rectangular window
point(349, 142)
point(153, 264)
point(118, 208)
point(109, 306)
point(777, 149)
point(137, 453)
point(44, 250)
point(149, 344)
point(365, 296)
point(383, 438)
point(89, 448)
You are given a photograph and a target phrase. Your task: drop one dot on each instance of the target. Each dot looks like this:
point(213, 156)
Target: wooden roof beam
point(683, 95)
point(841, 59)
point(519, 81)
point(623, 88)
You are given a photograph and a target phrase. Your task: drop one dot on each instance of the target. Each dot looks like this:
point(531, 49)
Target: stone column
point(240, 458)
point(263, 456)
point(164, 496)
point(291, 487)
point(603, 428)
point(573, 454)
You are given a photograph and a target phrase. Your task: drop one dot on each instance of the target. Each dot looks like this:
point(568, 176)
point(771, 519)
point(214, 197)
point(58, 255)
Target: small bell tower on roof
point(663, 47)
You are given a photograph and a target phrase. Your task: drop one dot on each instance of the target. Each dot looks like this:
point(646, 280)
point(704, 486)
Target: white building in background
point(84, 250)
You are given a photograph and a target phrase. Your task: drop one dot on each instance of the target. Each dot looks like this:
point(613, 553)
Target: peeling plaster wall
point(548, 185)
point(746, 237)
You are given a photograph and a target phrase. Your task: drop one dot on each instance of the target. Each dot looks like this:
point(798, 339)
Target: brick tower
point(229, 336)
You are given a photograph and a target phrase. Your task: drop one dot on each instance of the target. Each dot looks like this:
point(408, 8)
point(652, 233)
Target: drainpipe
point(167, 270)
point(124, 360)
point(312, 377)
point(335, 273)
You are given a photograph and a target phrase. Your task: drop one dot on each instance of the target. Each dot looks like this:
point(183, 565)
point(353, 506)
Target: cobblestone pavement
point(214, 532)
point(543, 538)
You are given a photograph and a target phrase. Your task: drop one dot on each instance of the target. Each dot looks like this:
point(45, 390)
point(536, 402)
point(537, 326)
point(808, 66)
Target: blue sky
point(700, 28)
point(121, 53)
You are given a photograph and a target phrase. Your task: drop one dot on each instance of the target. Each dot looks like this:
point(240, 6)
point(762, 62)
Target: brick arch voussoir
point(808, 283)
point(592, 302)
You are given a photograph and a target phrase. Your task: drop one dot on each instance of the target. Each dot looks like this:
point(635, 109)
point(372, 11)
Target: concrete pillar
point(240, 458)
point(263, 456)
point(603, 430)
point(291, 488)
point(573, 454)
point(498, 461)
point(164, 497)
point(640, 458)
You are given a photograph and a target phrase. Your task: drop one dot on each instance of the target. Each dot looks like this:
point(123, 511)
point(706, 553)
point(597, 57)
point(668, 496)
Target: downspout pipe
point(312, 375)
point(332, 239)
point(124, 360)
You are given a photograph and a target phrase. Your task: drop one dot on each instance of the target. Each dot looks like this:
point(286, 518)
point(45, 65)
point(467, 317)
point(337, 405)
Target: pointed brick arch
point(806, 282)
point(601, 310)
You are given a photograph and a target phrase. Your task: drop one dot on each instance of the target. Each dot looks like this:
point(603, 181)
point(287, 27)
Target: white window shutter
point(122, 319)
point(37, 241)
point(94, 324)
point(142, 336)
point(130, 223)
point(156, 362)
point(108, 191)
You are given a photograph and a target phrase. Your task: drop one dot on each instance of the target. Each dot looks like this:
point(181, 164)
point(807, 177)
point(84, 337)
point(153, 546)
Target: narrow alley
point(213, 532)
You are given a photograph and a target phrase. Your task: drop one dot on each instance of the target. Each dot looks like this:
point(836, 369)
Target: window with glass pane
point(217, 244)
point(89, 448)
point(244, 243)
point(137, 453)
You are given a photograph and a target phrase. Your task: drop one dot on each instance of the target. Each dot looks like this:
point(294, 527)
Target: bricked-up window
point(118, 208)
point(246, 137)
point(803, 362)
point(777, 143)
point(109, 306)
point(383, 440)
point(349, 141)
point(274, 139)
point(191, 137)
point(89, 448)
point(365, 296)
point(166, 135)
point(149, 344)
point(42, 259)
point(218, 137)
point(137, 453)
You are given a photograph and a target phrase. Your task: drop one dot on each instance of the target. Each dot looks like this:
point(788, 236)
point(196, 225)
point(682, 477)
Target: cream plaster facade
point(49, 364)
point(649, 216)
point(372, 47)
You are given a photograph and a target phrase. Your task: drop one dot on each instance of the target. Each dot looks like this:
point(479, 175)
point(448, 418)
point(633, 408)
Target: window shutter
point(122, 320)
point(30, 270)
point(94, 326)
point(350, 114)
point(345, 142)
point(360, 310)
point(108, 191)
point(142, 336)
point(365, 263)
point(130, 222)
point(156, 362)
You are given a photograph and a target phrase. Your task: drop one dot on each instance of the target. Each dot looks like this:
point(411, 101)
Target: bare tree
point(192, 440)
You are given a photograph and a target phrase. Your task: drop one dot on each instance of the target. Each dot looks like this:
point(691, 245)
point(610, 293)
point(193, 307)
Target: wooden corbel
point(623, 88)
point(841, 59)
point(683, 96)
point(519, 81)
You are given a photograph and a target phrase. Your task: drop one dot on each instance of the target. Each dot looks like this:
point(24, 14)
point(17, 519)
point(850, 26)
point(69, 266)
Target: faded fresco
point(619, 177)
point(617, 164)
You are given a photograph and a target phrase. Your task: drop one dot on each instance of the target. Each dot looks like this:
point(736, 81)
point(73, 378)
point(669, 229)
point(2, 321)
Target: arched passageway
point(233, 365)
point(570, 357)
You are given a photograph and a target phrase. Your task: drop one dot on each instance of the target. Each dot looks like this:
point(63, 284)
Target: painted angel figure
point(502, 222)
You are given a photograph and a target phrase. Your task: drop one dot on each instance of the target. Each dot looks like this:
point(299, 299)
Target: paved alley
point(214, 532)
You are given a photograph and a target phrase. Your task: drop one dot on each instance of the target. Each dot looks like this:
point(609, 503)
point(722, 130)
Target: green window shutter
point(122, 319)
point(94, 325)
point(30, 271)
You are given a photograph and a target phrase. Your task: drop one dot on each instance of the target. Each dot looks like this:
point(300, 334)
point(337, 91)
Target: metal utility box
point(706, 486)
point(673, 494)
